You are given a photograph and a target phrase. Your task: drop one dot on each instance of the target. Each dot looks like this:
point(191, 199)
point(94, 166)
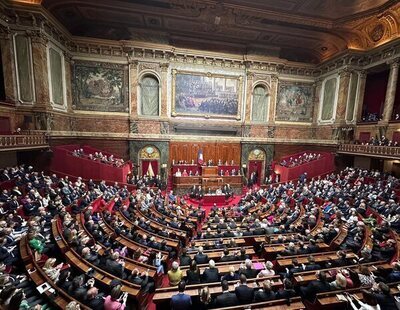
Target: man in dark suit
point(201, 258)
point(244, 293)
point(115, 267)
point(248, 271)
point(226, 299)
point(341, 260)
point(211, 274)
point(314, 287)
point(384, 298)
point(185, 259)
point(181, 301)
point(227, 257)
point(311, 264)
point(94, 300)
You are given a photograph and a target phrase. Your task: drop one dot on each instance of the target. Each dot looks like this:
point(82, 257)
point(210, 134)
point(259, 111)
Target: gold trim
point(237, 117)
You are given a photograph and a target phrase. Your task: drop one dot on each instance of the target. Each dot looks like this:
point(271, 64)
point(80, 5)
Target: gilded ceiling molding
point(369, 32)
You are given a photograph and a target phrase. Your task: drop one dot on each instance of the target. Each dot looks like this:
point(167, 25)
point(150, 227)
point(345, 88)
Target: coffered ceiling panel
point(302, 30)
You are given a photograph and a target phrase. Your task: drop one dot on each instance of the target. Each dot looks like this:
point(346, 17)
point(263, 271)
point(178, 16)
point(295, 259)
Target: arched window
point(149, 96)
point(260, 104)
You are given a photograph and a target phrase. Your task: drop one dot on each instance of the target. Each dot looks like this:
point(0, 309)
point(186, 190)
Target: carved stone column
point(7, 57)
point(273, 99)
point(360, 96)
point(164, 89)
point(344, 83)
point(249, 94)
point(134, 83)
point(40, 73)
point(391, 91)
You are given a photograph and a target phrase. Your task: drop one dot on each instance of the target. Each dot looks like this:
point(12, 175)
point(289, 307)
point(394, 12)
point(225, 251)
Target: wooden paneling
point(211, 150)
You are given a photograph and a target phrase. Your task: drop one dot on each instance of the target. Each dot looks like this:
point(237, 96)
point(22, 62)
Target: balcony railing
point(15, 142)
point(373, 150)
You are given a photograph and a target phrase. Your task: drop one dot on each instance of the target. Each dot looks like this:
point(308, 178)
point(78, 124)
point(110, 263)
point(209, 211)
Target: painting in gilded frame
point(294, 102)
point(206, 95)
point(101, 87)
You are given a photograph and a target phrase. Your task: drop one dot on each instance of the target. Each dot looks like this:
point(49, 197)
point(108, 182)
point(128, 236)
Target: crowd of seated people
point(382, 141)
point(98, 156)
point(371, 117)
point(346, 198)
point(145, 181)
point(364, 202)
point(299, 160)
point(29, 211)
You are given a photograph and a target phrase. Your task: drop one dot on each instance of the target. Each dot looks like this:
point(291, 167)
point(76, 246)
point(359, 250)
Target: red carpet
point(207, 207)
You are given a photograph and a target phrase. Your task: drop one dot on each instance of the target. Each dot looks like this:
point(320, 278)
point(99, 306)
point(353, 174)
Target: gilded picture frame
point(227, 107)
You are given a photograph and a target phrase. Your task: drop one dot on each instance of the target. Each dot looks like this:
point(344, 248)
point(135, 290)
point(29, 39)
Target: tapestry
point(295, 102)
point(198, 94)
point(100, 87)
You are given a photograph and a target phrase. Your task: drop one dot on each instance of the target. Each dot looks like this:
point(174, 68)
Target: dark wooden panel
point(211, 150)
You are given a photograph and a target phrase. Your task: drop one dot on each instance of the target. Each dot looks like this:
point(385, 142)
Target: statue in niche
point(164, 128)
point(246, 131)
point(271, 132)
point(133, 127)
point(72, 123)
point(40, 121)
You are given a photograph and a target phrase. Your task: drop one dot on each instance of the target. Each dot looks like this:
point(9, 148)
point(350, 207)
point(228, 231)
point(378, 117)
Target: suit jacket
point(201, 258)
point(226, 299)
point(115, 268)
point(261, 295)
point(211, 275)
point(181, 301)
point(244, 294)
point(313, 288)
point(185, 260)
point(250, 273)
point(386, 302)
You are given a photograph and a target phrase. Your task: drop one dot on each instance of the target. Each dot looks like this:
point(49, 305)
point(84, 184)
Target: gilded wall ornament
point(377, 32)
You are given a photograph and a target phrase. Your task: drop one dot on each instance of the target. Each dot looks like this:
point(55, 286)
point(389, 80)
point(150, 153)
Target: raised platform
point(209, 200)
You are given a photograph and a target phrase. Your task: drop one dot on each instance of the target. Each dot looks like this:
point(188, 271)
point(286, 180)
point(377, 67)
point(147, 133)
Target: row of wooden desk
point(186, 182)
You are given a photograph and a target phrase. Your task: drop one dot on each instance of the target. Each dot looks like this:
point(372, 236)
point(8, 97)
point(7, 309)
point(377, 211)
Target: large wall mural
point(206, 94)
point(295, 102)
point(100, 86)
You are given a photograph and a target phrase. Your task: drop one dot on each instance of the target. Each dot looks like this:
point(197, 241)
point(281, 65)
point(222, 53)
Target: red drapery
point(375, 92)
point(145, 166)
point(364, 137)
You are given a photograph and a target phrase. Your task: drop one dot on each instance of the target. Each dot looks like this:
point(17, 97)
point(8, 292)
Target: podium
point(209, 171)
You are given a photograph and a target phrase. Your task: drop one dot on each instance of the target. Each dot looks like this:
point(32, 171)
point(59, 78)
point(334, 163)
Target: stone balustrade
point(15, 142)
point(374, 150)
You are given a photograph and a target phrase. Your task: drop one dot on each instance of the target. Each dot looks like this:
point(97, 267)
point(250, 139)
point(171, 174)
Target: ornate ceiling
point(300, 30)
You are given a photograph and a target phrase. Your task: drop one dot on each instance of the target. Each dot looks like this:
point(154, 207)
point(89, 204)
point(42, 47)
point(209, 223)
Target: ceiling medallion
point(377, 32)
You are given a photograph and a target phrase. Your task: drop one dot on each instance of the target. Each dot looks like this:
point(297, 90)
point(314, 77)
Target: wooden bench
point(162, 296)
point(38, 276)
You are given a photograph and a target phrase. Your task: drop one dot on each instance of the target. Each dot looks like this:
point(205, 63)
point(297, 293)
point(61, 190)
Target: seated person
point(211, 274)
point(175, 275)
point(265, 293)
point(314, 287)
point(178, 173)
point(226, 298)
point(244, 293)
